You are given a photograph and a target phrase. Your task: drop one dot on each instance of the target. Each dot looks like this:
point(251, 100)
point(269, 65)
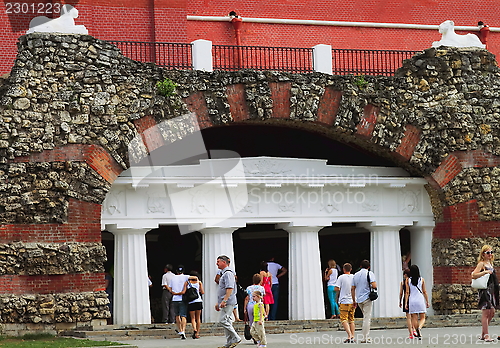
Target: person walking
point(195, 306)
point(277, 271)
point(417, 300)
point(489, 297)
point(331, 275)
point(168, 315)
point(226, 299)
point(249, 303)
point(266, 283)
point(177, 287)
point(344, 298)
point(236, 311)
point(257, 330)
point(361, 283)
point(402, 302)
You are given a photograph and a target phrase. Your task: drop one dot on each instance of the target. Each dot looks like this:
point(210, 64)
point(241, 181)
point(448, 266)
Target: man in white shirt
point(176, 287)
point(360, 292)
point(277, 271)
point(345, 300)
point(166, 296)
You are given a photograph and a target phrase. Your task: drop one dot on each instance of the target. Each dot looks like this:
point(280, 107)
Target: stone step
point(135, 332)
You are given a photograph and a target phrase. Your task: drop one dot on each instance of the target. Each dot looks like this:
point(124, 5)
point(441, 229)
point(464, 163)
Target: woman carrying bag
point(488, 298)
point(195, 306)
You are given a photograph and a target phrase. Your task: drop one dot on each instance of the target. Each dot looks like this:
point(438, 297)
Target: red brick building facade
point(173, 21)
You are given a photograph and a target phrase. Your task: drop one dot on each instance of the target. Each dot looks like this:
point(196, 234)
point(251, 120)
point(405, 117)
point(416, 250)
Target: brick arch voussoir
point(474, 217)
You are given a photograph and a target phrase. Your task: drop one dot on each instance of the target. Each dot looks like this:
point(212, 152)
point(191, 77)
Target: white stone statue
point(452, 39)
point(64, 24)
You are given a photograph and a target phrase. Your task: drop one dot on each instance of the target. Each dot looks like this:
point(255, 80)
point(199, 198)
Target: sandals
point(487, 339)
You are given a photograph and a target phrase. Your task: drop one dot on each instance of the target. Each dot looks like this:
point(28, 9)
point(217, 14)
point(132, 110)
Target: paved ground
point(455, 337)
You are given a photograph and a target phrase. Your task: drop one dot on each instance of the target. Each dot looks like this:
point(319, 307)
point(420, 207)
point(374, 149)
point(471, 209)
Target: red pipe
point(484, 32)
point(236, 21)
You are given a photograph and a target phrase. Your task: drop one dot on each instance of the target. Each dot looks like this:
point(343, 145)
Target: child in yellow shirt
point(259, 313)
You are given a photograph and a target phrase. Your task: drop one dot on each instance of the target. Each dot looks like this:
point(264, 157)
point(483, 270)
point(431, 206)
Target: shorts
point(347, 312)
point(196, 306)
point(180, 308)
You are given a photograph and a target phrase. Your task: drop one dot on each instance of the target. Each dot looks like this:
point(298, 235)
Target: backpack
point(191, 294)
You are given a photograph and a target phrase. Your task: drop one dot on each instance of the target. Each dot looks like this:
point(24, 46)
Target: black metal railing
point(165, 54)
point(368, 62)
point(297, 60)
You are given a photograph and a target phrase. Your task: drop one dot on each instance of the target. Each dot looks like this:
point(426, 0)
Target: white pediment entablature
point(236, 192)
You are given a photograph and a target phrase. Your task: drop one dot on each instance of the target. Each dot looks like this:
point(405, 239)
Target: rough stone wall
point(75, 112)
point(57, 308)
point(51, 258)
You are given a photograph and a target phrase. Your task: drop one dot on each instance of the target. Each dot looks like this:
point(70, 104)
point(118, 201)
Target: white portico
point(300, 196)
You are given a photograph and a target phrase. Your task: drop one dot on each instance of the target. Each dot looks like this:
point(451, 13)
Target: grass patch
point(49, 341)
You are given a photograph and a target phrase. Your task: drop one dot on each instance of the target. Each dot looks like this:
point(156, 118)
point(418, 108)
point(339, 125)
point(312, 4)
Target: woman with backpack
point(195, 306)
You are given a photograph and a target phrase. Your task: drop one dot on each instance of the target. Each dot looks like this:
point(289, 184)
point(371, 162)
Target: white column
point(131, 291)
point(322, 58)
point(305, 299)
point(216, 242)
point(202, 55)
point(385, 255)
point(421, 255)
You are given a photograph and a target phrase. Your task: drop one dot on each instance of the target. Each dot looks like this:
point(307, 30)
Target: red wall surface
point(165, 21)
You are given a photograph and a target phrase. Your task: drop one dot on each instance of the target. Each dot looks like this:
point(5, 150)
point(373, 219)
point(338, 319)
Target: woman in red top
point(266, 283)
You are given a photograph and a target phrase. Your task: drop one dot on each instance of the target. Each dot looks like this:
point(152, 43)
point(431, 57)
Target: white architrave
point(131, 291)
point(268, 191)
point(385, 254)
point(216, 242)
point(305, 296)
point(421, 255)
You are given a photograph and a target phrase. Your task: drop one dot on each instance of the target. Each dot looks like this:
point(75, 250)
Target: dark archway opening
point(278, 141)
point(167, 245)
point(254, 244)
point(344, 243)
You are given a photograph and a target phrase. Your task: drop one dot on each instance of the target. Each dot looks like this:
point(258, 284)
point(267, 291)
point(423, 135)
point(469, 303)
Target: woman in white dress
point(417, 301)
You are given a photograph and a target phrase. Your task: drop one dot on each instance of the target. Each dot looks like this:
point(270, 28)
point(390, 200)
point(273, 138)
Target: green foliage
point(49, 341)
point(360, 81)
point(166, 87)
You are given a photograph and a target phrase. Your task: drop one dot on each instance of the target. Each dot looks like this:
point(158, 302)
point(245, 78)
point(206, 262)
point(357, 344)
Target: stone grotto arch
point(75, 113)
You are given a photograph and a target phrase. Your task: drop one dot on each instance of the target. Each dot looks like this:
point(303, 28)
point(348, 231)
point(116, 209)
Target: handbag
point(481, 282)
point(248, 336)
point(191, 294)
point(373, 292)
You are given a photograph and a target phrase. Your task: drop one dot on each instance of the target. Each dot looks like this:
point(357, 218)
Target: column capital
point(421, 227)
point(218, 230)
point(373, 228)
point(298, 229)
point(118, 231)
